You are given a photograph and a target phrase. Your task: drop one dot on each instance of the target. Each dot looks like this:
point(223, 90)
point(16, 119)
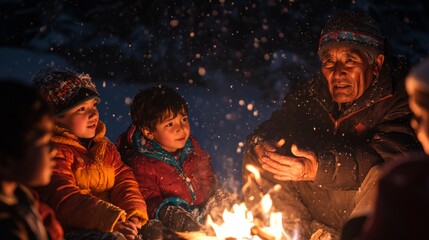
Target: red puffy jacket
point(190, 183)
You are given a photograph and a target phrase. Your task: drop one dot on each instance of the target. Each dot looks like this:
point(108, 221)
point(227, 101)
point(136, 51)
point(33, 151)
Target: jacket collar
point(152, 149)
point(99, 142)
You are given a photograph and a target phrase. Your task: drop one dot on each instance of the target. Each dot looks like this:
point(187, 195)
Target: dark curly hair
point(152, 105)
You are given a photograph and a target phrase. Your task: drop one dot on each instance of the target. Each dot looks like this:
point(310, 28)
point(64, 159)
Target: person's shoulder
point(65, 151)
point(26, 193)
point(10, 221)
point(409, 160)
point(410, 156)
point(110, 144)
point(11, 228)
point(195, 143)
point(112, 150)
point(315, 81)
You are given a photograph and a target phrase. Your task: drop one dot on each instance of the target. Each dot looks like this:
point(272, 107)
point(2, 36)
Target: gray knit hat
point(352, 29)
point(65, 88)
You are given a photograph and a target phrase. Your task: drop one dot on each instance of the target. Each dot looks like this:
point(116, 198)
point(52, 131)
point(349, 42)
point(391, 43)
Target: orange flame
point(240, 223)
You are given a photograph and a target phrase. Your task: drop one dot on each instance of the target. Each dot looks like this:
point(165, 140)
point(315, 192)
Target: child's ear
point(147, 133)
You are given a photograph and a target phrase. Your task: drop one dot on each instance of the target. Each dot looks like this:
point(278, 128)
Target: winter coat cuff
point(108, 219)
point(140, 214)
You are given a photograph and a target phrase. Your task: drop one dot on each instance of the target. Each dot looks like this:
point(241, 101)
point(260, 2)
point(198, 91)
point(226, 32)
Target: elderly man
point(326, 144)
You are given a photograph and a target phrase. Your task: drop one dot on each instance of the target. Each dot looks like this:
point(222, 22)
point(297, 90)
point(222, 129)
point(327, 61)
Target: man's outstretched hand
point(301, 167)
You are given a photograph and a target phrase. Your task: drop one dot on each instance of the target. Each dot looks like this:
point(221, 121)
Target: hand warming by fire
point(302, 166)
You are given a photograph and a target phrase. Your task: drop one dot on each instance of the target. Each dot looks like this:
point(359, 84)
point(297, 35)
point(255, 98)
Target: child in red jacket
point(94, 194)
point(26, 155)
point(174, 173)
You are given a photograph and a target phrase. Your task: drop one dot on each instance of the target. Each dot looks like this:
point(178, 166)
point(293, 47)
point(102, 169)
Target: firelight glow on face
point(82, 119)
point(348, 73)
point(172, 133)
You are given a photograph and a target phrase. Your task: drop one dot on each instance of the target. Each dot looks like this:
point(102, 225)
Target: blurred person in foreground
point(327, 143)
point(26, 160)
point(402, 205)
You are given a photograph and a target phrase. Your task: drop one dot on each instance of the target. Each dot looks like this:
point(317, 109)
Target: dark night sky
point(266, 43)
point(264, 46)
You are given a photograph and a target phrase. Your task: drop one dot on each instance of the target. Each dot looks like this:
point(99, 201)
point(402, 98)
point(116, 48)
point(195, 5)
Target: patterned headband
point(358, 38)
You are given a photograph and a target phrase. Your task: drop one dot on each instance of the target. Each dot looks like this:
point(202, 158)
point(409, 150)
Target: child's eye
point(185, 119)
point(81, 109)
point(169, 125)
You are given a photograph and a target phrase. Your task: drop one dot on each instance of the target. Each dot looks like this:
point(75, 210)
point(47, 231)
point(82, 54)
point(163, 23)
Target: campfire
point(239, 222)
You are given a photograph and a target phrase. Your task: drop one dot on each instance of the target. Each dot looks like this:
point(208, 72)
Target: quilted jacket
point(91, 188)
point(163, 180)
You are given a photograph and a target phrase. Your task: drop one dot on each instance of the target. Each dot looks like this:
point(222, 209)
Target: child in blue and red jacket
point(174, 173)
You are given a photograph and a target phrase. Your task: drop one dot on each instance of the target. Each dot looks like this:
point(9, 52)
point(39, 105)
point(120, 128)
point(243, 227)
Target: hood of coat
point(98, 144)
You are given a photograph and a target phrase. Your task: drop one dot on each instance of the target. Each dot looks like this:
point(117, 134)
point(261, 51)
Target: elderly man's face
point(348, 72)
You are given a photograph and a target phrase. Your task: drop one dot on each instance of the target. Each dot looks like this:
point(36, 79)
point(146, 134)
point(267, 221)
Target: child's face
point(82, 120)
point(420, 123)
point(171, 133)
point(36, 167)
point(419, 104)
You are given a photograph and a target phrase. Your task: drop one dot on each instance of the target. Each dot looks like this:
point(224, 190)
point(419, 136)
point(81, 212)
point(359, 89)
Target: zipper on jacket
point(336, 124)
point(189, 185)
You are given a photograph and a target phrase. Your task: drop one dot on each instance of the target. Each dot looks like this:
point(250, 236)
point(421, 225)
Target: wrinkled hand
point(262, 149)
point(302, 167)
point(178, 219)
point(128, 228)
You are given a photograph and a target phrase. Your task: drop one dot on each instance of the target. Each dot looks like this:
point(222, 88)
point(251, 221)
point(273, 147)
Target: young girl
point(25, 160)
point(174, 173)
point(91, 188)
